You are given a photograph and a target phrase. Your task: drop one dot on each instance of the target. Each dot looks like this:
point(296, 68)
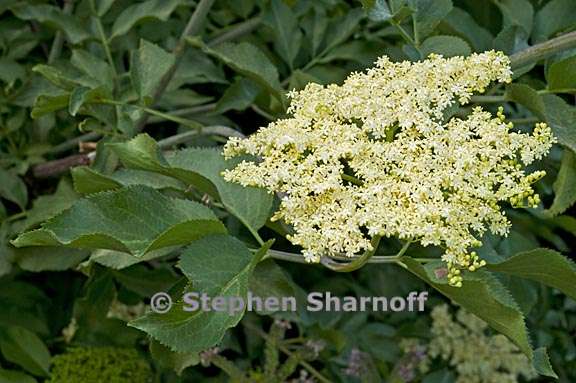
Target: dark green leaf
point(49, 104)
point(24, 348)
point(54, 17)
point(565, 185)
point(562, 74)
point(528, 97)
point(238, 96)
point(149, 64)
point(201, 168)
point(219, 266)
point(141, 12)
point(342, 28)
point(561, 116)
point(77, 99)
point(13, 188)
point(484, 296)
point(541, 265)
point(461, 23)
point(88, 180)
point(94, 67)
point(251, 62)
point(12, 376)
point(517, 12)
point(10, 71)
point(287, 34)
point(49, 258)
point(428, 14)
point(172, 360)
point(378, 10)
point(555, 16)
point(135, 220)
point(447, 46)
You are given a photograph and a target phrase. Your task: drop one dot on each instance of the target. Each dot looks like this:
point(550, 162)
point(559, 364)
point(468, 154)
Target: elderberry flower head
point(380, 156)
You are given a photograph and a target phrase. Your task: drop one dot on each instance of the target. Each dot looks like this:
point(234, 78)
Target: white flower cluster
point(377, 156)
point(476, 356)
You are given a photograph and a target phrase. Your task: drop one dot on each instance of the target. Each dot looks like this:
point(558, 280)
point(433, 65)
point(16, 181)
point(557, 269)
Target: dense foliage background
point(80, 79)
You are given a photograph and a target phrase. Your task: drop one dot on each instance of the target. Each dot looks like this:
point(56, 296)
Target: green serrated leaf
point(517, 12)
point(447, 46)
point(201, 168)
point(238, 96)
point(251, 62)
point(24, 348)
point(173, 360)
point(287, 34)
point(484, 296)
point(49, 258)
point(78, 97)
point(10, 71)
point(118, 260)
point(141, 12)
point(88, 180)
point(219, 266)
point(47, 206)
point(48, 104)
point(461, 23)
point(541, 265)
point(341, 29)
point(94, 67)
point(134, 220)
point(378, 10)
point(428, 14)
point(561, 116)
point(56, 76)
point(541, 363)
point(555, 16)
point(149, 64)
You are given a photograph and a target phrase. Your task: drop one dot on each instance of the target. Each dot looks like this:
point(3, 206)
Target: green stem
point(502, 98)
point(184, 137)
point(356, 263)
point(56, 48)
point(154, 112)
point(487, 99)
point(192, 28)
point(236, 31)
point(543, 50)
point(193, 110)
point(103, 38)
point(404, 34)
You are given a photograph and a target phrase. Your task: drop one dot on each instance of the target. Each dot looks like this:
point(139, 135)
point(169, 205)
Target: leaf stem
point(404, 34)
point(356, 263)
point(154, 112)
point(236, 31)
point(192, 28)
point(56, 48)
point(103, 39)
point(543, 50)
